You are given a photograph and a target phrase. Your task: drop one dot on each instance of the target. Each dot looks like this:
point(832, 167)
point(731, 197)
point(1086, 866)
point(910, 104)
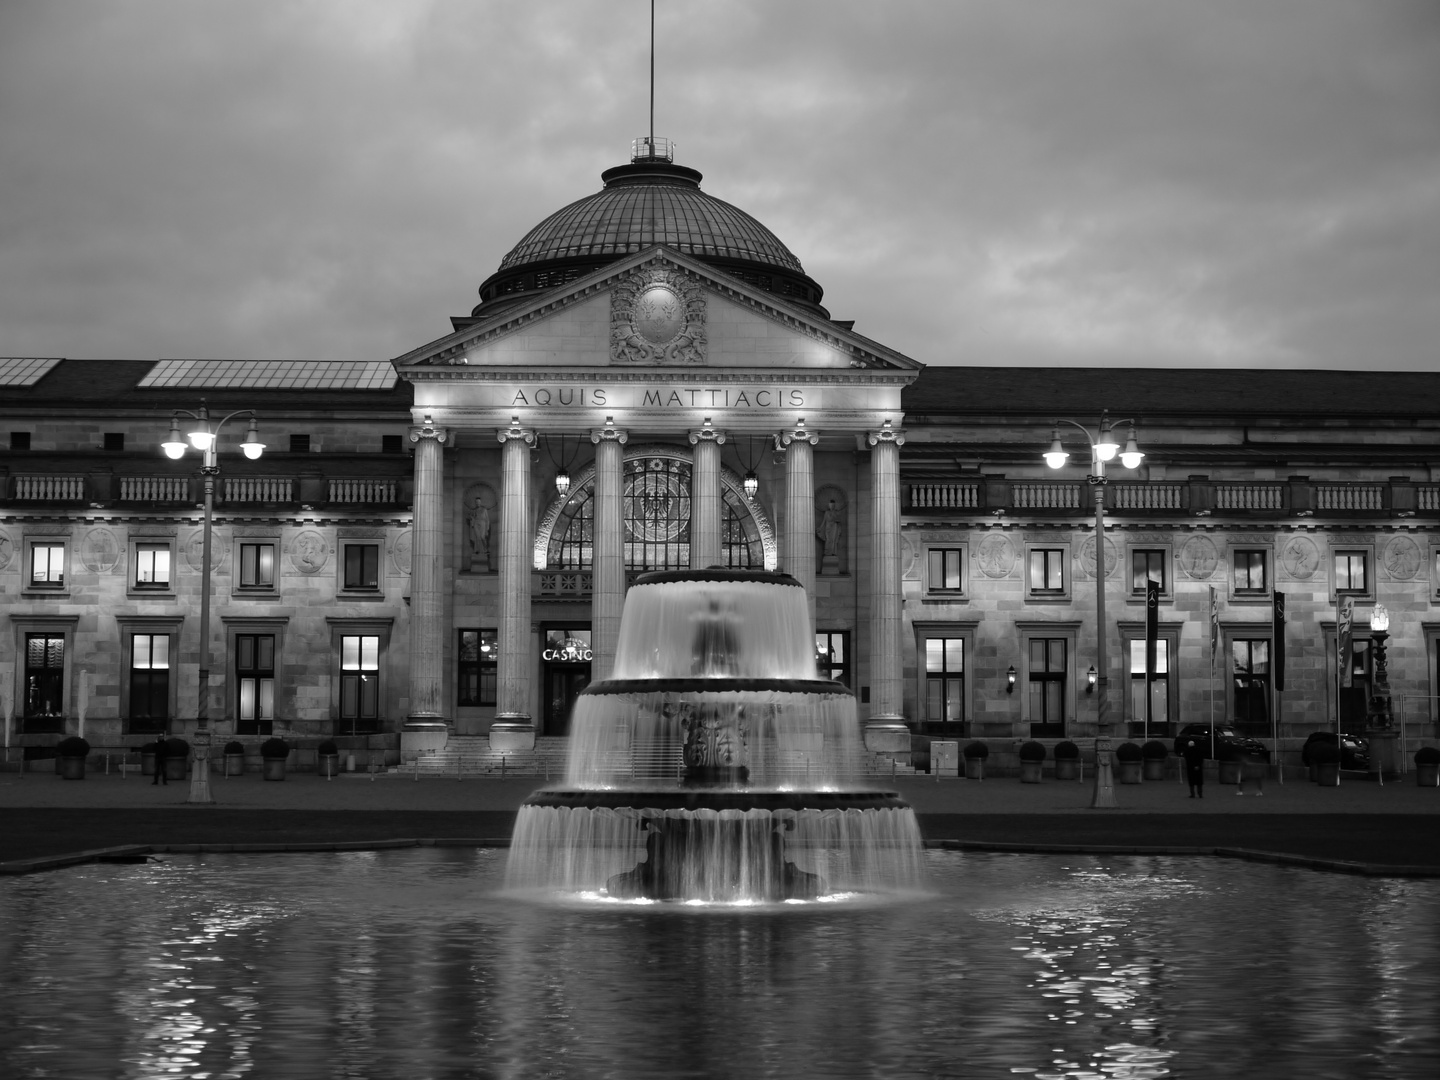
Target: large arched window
point(655, 506)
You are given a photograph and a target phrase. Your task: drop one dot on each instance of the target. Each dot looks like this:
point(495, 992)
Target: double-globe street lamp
point(206, 439)
point(1103, 448)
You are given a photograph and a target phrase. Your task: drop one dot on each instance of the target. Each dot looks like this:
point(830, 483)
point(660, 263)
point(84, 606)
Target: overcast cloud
point(1226, 182)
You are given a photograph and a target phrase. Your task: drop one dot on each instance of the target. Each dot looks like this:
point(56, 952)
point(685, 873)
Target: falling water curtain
point(1152, 632)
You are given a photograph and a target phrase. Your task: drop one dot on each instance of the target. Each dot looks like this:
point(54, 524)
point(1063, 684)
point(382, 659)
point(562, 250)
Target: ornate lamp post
point(1379, 718)
point(1103, 448)
point(206, 439)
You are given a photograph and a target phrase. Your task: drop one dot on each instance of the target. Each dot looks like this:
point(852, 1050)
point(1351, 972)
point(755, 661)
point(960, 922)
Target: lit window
point(1350, 573)
point(1146, 565)
point(152, 566)
point(1249, 571)
point(257, 566)
point(47, 566)
point(946, 570)
point(149, 683)
point(945, 684)
point(476, 669)
point(1159, 685)
point(44, 680)
point(359, 683)
point(1047, 570)
point(255, 679)
point(832, 655)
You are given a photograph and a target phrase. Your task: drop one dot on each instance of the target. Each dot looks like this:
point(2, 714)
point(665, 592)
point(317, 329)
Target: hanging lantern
point(562, 482)
point(751, 484)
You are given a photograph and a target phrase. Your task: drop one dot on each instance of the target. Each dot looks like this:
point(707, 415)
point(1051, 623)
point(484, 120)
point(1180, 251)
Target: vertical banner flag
point(1343, 636)
point(1152, 629)
point(1214, 628)
point(1277, 649)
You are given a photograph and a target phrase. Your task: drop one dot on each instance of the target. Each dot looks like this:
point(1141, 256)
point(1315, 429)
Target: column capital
point(887, 434)
point(609, 433)
point(799, 433)
point(707, 434)
point(515, 431)
point(428, 430)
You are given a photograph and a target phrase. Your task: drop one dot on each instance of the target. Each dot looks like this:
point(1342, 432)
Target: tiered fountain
point(714, 766)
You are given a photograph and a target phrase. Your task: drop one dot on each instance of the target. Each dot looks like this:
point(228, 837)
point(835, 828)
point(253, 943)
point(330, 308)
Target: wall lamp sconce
point(1090, 678)
point(1010, 680)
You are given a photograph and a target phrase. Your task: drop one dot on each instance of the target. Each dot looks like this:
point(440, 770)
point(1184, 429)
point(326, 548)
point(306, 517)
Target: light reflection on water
point(407, 964)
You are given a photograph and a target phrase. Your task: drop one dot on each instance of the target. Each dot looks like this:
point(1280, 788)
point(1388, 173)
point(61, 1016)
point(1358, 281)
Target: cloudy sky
point(1227, 182)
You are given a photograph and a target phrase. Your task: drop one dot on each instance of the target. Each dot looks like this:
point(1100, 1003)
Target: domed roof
point(647, 202)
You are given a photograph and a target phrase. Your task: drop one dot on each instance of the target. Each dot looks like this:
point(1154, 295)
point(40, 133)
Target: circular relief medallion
point(195, 551)
point(308, 553)
point(7, 549)
point(659, 314)
point(1087, 558)
point(1402, 558)
point(100, 551)
point(1300, 558)
point(995, 556)
point(401, 552)
point(657, 507)
point(1198, 558)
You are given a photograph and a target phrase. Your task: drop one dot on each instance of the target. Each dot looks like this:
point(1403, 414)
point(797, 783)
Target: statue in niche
point(831, 535)
point(477, 529)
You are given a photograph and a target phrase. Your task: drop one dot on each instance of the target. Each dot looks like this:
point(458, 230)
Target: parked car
point(1227, 740)
point(1354, 749)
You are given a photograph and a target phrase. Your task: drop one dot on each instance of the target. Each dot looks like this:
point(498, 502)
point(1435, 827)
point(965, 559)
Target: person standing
point(161, 753)
point(1194, 754)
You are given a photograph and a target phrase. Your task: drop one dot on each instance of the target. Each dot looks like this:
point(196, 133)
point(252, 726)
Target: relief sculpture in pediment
point(657, 316)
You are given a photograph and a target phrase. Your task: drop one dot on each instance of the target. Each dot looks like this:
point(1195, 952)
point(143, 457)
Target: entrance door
point(563, 683)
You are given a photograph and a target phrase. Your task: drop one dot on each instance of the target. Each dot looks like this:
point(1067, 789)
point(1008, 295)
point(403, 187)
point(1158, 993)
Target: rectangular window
point(1147, 564)
point(362, 566)
point(1250, 663)
point(44, 682)
point(832, 655)
point(47, 565)
point(1048, 666)
point(149, 683)
point(1248, 569)
point(359, 683)
point(257, 566)
point(299, 444)
point(1350, 573)
point(152, 566)
point(945, 685)
point(114, 440)
point(476, 667)
point(1159, 687)
point(255, 679)
point(946, 570)
point(1047, 571)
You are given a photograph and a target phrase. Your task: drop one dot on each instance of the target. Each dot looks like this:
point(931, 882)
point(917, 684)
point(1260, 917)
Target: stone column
point(513, 728)
point(425, 727)
point(885, 730)
point(797, 550)
point(705, 497)
point(608, 592)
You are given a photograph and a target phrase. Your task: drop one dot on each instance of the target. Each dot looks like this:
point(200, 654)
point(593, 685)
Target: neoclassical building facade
point(436, 548)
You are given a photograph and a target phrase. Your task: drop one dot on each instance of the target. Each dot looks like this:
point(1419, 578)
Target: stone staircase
point(472, 756)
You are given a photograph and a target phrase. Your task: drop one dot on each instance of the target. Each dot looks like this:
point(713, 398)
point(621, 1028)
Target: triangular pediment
point(657, 309)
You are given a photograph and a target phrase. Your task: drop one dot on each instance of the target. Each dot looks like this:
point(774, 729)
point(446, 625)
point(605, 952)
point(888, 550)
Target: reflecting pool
point(411, 964)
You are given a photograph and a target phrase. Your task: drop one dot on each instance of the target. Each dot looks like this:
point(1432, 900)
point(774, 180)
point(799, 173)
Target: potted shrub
point(1153, 754)
point(72, 752)
point(1326, 757)
point(234, 758)
point(1129, 755)
point(1427, 766)
point(1032, 756)
point(1230, 764)
point(1067, 761)
point(274, 753)
point(327, 757)
point(975, 755)
point(177, 758)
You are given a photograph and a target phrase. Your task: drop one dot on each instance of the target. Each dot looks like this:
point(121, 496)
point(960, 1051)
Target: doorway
point(566, 659)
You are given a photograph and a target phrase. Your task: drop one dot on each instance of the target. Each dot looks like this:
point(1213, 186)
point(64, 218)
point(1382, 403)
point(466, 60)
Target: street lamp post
point(206, 439)
point(1102, 449)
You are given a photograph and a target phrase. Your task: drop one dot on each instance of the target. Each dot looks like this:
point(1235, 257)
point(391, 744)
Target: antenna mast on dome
point(650, 149)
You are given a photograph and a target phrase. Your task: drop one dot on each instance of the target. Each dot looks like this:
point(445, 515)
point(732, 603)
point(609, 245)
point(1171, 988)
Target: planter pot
point(1314, 771)
point(234, 764)
point(1030, 772)
point(1427, 775)
point(177, 768)
point(1154, 768)
point(328, 764)
point(72, 768)
point(1067, 768)
point(274, 768)
point(1129, 771)
point(147, 764)
point(974, 768)
point(1327, 774)
point(1229, 772)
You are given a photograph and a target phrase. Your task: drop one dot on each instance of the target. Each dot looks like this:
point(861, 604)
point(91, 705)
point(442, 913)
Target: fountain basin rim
point(715, 573)
point(713, 799)
point(718, 685)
